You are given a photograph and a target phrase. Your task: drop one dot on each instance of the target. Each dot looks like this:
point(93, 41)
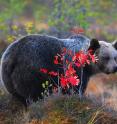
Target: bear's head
point(107, 55)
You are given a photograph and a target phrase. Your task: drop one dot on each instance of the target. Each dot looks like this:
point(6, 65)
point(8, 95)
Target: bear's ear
point(115, 44)
point(94, 44)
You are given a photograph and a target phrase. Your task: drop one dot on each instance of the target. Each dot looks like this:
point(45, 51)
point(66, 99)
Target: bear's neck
point(92, 69)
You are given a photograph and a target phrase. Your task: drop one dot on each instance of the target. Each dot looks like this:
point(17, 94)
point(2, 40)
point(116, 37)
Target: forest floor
point(99, 106)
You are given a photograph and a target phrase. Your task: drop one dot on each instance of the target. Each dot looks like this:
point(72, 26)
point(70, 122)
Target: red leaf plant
point(77, 30)
point(53, 73)
point(79, 59)
point(44, 70)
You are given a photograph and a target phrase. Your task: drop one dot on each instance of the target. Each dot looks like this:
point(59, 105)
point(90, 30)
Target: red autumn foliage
point(64, 81)
point(73, 80)
point(43, 70)
point(69, 77)
point(80, 59)
point(56, 60)
point(70, 71)
point(77, 30)
point(53, 73)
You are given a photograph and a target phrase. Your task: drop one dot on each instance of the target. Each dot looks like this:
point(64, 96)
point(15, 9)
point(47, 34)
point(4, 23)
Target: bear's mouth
point(109, 73)
point(113, 72)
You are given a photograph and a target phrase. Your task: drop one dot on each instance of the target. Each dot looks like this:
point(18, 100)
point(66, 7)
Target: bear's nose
point(115, 69)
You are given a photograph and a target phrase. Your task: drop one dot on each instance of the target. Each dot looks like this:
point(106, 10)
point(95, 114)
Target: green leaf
point(46, 83)
point(43, 85)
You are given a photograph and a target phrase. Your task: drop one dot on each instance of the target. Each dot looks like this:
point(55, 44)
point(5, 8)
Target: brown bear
point(23, 58)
